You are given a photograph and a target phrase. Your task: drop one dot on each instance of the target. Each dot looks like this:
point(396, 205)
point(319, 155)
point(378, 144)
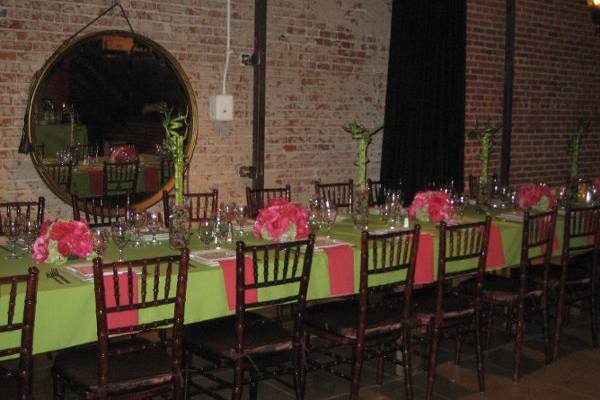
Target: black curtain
point(423, 140)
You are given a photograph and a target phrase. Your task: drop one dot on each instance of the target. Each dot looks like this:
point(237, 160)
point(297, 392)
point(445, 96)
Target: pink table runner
point(124, 318)
point(340, 262)
point(229, 276)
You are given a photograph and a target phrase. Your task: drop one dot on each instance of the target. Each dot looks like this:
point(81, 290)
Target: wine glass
point(458, 203)
point(329, 215)
point(137, 222)
point(120, 235)
point(12, 229)
point(30, 233)
point(98, 242)
point(153, 224)
point(242, 217)
point(314, 221)
point(205, 232)
point(221, 228)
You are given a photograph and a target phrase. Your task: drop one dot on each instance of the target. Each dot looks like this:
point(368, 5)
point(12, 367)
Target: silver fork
point(57, 274)
point(51, 275)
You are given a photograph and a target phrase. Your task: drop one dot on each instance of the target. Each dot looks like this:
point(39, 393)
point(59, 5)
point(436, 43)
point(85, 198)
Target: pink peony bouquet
point(60, 239)
point(281, 221)
point(537, 197)
point(123, 154)
point(430, 206)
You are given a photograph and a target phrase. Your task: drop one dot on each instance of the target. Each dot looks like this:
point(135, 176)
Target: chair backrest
point(259, 198)
point(153, 281)
point(581, 231)
point(24, 324)
point(120, 177)
point(61, 174)
point(464, 246)
point(100, 210)
point(23, 209)
point(79, 152)
point(339, 193)
point(284, 265)
point(378, 191)
point(388, 261)
point(202, 205)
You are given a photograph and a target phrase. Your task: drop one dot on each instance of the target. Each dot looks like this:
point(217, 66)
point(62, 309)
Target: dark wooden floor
point(576, 375)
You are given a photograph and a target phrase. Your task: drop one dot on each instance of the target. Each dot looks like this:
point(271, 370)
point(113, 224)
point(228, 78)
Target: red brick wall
point(327, 65)
point(557, 81)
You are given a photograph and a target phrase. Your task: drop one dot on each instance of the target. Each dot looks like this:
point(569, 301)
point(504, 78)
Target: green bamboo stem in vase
point(486, 147)
point(176, 130)
point(574, 149)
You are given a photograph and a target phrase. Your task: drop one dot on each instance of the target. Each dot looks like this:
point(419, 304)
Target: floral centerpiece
point(430, 206)
point(537, 197)
point(123, 154)
point(58, 240)
point(597, 182)
point(281, 221)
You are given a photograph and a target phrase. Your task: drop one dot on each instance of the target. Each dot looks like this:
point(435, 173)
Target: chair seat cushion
point(455, 305)
point(129, 371)
point(261, 336)
point(501, 289)
point(341, 318)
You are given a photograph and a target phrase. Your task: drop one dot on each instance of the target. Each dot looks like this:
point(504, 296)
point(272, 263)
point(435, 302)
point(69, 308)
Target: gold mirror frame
point(62, 52)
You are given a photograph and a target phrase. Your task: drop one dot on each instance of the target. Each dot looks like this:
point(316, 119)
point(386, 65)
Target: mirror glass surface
point(94, 118)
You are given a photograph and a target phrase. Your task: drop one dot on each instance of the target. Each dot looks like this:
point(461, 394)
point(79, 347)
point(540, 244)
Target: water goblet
point(98, 241)
point(137, 222)
point(205, 232)
point(329, 215)
point(458, 203)
point(221, 229)
point(12, 229)
point(242, 217)
point(120, 235)
point(30, 233)
point(153, 222)
point(314, 221)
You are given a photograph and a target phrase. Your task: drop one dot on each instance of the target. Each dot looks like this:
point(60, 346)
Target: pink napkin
point(228, 267)
point(424, 267)
point(495, 253)
point(96, 181)
point(340, 262)
point(123, 318)
point(151, 182)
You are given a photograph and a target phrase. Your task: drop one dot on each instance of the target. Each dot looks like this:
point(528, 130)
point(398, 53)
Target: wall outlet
point(221, 107)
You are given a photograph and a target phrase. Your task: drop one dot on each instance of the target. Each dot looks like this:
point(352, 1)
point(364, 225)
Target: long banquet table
point(65, 314)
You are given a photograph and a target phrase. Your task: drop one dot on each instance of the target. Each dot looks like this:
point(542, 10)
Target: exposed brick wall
point(557, 81)
point(327, 63)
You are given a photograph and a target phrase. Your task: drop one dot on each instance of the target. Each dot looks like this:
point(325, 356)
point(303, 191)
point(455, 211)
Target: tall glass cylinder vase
point(484, 191)
point(360, 208)
point(179, 227)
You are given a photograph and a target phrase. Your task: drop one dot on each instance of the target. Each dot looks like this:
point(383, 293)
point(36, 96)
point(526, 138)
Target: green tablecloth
point(57, 137)
point(65, 314)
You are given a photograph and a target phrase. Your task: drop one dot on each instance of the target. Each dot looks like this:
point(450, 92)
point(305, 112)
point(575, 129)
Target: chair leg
point(546, 329)
point(560, 314)
point(479, 353)
point(433, 350)
point(357, 360)
point(457, 346)
point(253, 386)
point(380, 366)
point(407, 363)
point(518, 342)
point(238, 379)
point(594, 315)
point(299, 370)
point(59, 388)
point(490, 326)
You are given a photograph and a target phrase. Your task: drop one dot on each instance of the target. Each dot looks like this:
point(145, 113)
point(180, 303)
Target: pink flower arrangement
point(537, 197)
point(597, 182)
point(430, 206)
point(60, 239)
point(281, 221)
point(123, 154)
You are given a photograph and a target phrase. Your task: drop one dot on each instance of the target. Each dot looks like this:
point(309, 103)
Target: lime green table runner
point(57, 137)
point(65, 314)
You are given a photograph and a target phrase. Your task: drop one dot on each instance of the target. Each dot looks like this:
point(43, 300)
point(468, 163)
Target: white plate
point(323, 242)
point(510, 217)
point(212, 257)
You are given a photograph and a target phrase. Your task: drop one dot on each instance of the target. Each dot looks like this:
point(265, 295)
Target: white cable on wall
point(227, 47)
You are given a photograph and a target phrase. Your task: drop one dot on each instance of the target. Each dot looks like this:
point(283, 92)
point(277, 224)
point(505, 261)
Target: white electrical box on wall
point(221, 107)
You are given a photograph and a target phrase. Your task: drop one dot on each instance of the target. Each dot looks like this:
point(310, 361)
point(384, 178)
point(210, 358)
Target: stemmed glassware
point(120, 235)
point(12, 229)
point(30, 233)
point(205, 232)
point(98, 241)
point(220, 228)
point(329, 214)
point(458, 203)
point(242, 217)
point(153, 222)
point(137, 222)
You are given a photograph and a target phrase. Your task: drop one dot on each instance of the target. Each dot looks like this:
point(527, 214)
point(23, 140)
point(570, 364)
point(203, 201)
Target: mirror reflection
point(94, 117)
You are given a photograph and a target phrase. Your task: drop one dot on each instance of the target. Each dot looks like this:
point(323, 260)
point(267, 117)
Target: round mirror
point(94, 117)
